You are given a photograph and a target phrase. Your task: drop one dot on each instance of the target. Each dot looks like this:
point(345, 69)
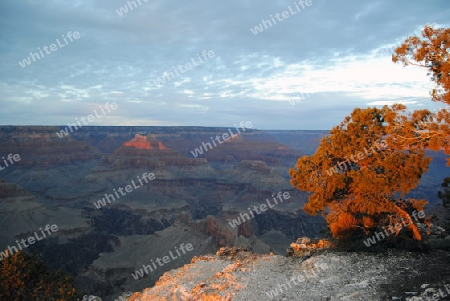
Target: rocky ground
point(331, 275)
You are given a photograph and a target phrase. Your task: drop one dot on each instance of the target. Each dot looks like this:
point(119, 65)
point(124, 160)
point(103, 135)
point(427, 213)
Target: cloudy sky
point(307, 71)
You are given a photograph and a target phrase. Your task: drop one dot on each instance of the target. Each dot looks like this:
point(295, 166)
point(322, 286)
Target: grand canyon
point(224, 150)
point(191, 200)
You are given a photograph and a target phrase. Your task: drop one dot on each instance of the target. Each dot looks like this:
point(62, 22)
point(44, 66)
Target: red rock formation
point(139, 141)
point(223, 234)
point(146, 151)
point(161, 146)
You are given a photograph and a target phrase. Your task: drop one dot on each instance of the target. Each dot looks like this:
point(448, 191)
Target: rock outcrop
point(239, 275)
point(306, 246)
point(21, 215)
point(40, 146)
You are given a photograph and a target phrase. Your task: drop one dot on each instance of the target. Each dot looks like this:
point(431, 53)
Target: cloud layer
point(330, 57)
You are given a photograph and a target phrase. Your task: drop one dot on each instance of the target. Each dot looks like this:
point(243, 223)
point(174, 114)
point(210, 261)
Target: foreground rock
point(306, 246)
point(241, 275)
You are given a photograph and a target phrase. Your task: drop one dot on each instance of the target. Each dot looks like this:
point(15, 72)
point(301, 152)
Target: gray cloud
point(328, 50)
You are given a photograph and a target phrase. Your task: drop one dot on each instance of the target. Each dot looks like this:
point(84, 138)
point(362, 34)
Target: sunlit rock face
point(238, 275)
point(139, 141)
point(145, 152)
point(305, 246)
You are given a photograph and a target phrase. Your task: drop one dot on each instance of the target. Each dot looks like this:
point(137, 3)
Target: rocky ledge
point(236, 274)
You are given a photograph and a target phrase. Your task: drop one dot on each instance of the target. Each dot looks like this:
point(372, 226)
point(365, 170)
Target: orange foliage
point(423, 129)
point(431, 52)
point(420, 129)
point(363, 194)
point(343, 223)
point(368, 222)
